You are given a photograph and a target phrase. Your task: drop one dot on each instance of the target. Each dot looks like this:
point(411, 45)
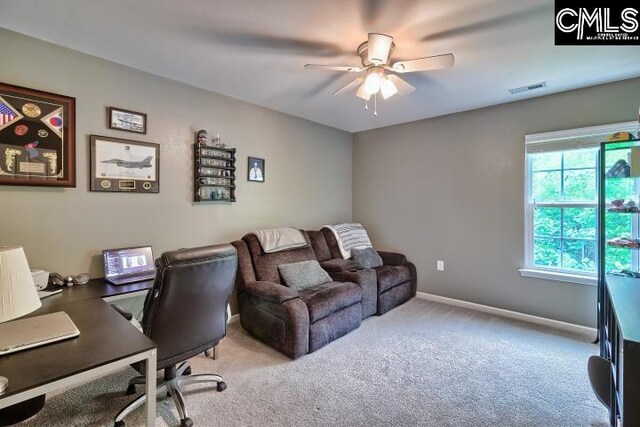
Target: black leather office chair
point(185, 313)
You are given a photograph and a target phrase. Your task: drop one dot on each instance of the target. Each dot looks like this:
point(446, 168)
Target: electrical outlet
point(440, 265)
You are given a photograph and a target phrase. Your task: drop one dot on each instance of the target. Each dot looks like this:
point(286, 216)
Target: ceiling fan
point(375, 54)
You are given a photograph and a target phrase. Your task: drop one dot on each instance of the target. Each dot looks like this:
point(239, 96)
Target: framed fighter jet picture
point(124, 166)
point(37, 138)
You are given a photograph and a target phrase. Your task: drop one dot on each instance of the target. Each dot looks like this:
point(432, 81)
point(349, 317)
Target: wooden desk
point(106, 343)
point(96, 288)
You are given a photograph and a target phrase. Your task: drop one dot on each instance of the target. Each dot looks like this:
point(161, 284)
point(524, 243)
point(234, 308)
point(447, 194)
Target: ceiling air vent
point(527, 88)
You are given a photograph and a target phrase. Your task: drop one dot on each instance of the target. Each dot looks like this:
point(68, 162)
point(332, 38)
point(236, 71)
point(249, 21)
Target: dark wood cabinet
point(619, 334)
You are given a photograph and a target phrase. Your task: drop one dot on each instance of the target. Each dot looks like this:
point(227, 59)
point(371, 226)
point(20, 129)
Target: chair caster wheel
point(186, 422)
point(222, 386)
point(130, 390)
point(119, 424)
point(187, 371)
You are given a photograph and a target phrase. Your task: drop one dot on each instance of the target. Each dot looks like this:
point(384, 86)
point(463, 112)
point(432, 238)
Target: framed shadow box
point(124, 166)
point(37, 138)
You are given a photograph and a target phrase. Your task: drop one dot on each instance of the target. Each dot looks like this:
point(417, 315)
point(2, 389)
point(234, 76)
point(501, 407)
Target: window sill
point(562, 277)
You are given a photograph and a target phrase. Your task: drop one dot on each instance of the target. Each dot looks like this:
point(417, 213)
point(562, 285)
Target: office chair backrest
point(185, 312)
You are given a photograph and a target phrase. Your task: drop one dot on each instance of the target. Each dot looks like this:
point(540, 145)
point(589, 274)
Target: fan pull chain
point(375, 105)
point(366, 105)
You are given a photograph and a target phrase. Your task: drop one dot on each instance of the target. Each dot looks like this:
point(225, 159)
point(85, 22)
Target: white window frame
point(589, 137)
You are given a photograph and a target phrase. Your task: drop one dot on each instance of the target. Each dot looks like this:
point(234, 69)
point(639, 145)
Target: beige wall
point(451, 188)
point(308, 166)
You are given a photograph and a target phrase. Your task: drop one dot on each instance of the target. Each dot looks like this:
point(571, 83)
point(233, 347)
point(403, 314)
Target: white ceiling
point(255, 50)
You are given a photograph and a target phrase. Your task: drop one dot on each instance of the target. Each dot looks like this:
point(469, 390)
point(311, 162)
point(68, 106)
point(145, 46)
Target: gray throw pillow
point(304, 274)
point(366, 257)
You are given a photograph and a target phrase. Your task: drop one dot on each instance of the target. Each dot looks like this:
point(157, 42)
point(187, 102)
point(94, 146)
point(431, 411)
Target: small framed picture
point(255, 169)
point(128, 121)
point(120, 165)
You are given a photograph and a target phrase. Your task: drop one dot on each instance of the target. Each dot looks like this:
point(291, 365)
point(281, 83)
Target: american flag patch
point(6, 114)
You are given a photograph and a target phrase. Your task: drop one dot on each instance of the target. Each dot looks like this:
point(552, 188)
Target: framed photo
point(255, 169)
point(37, 138)
point(128, 121)
point(120, 165)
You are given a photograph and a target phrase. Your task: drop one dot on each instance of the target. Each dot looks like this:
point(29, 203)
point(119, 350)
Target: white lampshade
point(362, 93)
point(387, 88)
point(372, 82)
point(18, 295)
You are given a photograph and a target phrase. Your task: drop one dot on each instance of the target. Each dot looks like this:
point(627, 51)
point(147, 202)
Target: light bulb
point(387, 88)
point(372, 82)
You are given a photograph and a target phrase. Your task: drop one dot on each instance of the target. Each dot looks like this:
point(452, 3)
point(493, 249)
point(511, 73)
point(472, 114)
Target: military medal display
point(124, 166)
point(37, 138)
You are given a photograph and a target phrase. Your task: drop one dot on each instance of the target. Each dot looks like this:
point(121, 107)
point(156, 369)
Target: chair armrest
point(123, 312)
point(392, 258)
point(270, 291)
point(338, 264)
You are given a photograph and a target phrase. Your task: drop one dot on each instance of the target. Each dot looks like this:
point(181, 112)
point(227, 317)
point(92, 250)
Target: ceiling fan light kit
point(375, 55)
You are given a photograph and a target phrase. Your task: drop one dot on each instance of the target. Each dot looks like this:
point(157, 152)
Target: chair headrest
point(198, 254)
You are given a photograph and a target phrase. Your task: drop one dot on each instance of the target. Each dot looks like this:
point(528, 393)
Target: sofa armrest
point(338, 264)
point(392, 258)
point(366, 279)
point(270, 291)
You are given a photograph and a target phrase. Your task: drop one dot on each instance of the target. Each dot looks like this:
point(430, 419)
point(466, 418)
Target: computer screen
point(118, 262)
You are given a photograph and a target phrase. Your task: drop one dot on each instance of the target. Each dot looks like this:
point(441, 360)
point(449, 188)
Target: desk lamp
point(18, 295)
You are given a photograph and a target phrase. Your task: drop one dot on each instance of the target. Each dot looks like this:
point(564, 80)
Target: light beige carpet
point(422, 364)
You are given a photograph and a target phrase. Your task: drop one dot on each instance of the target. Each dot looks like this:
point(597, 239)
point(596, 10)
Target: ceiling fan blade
point(379, 48)
point(495, 23)
point(268, 42)
point(402, 86)
point(333, 68)
point(424, 64)
point(351, 85)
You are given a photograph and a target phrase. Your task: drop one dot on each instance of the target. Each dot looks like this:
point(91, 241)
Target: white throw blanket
point(349, 236)
point(279, 239)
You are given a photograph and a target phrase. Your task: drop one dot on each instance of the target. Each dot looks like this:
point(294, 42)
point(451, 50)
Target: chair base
point(174, 378)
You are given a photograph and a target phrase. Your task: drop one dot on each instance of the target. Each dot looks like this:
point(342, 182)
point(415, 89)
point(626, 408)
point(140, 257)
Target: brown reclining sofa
point(300, 322)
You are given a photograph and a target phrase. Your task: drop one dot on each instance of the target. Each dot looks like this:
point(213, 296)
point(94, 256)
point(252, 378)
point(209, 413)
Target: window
point(563, 210)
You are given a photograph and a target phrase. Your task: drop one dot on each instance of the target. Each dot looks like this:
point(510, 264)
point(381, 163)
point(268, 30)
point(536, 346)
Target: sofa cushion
point(366, 257)
point(323, 300)
point(391, 275)
point(304, 274)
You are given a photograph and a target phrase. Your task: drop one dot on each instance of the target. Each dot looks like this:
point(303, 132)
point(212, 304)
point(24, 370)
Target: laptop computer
point(21, 334)
point(128, 265)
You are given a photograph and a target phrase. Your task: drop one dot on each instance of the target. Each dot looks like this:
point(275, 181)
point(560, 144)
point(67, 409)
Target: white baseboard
point(557, 324)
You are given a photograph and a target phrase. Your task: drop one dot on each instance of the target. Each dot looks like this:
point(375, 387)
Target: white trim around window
point(538, 273)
